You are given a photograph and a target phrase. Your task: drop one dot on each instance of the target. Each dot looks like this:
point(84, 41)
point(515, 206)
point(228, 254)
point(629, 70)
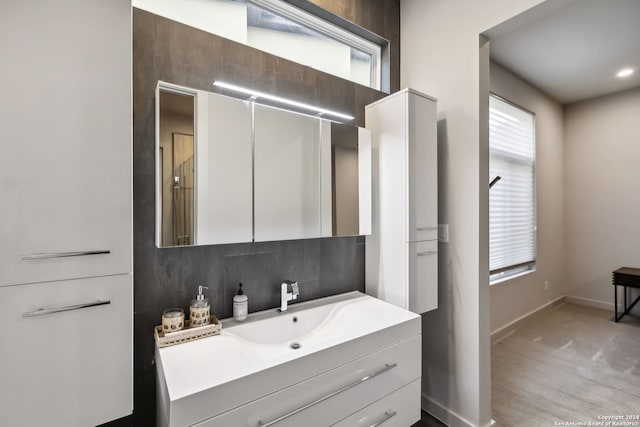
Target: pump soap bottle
point(240, 305)
point(199, 310)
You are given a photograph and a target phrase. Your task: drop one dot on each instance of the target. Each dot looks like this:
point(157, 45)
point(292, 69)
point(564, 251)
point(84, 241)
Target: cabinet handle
point(426, 253)
point(427, 228)
point(43, 311)
point(386, 368)
point(387, 416)
point(64, 254)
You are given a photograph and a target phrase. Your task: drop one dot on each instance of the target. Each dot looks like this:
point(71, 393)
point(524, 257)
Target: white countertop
point(207, 363)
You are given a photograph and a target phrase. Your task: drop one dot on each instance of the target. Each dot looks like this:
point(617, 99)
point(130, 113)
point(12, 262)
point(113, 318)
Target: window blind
point(512, 206)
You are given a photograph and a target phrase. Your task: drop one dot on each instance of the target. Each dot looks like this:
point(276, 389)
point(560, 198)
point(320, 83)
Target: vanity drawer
point(327, 398)
point(399, 409)
point(66, 368)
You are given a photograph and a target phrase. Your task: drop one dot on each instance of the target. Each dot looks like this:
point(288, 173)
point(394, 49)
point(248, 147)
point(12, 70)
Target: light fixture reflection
point(255, 94)
point(625, 72)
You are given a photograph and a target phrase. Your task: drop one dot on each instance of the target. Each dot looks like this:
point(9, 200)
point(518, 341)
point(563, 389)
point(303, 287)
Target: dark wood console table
point(629, 278)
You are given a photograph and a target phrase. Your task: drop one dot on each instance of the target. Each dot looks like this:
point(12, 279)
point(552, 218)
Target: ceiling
point(572, 49)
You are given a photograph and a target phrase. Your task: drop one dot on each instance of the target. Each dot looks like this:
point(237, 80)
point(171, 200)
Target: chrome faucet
point(285, 295)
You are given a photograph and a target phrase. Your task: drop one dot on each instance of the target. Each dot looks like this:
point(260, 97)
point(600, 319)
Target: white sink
point(253, 358)
point(275, 328)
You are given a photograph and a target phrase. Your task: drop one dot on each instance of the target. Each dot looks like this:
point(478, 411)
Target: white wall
point(602, 174)
point(441, 56)
point(516, 297)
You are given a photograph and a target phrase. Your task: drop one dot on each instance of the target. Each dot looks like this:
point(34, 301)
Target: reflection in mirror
point(177, 168)
point(204, 172)
point(344, 179)
point(346, 205)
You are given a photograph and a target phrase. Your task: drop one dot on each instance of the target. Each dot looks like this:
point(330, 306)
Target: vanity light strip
point(255, 94)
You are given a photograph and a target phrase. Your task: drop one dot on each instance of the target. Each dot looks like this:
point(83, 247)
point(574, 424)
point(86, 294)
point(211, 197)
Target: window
point(281, 29)
point(284, 30)
point(512, 200)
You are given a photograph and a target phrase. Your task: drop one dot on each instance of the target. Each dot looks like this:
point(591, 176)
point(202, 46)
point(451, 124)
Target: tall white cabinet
point(66, 292)
point(402, 250)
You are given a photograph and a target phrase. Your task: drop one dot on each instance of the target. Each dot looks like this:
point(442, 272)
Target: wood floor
point(568, 364)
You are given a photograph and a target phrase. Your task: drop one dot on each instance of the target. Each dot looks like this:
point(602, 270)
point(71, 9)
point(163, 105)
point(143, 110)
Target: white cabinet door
point(65, 166)
point(224, 180)
point(67, 368)
point(327, 398)
point(423, 169)
point(286, 175)
point(399, 409)
point(385, 263)
point(423, 276)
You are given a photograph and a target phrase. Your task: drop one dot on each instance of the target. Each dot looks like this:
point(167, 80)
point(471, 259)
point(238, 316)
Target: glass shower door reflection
point(183, 190)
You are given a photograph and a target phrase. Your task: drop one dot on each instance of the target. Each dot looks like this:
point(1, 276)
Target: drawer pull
point(386, 368)
point(426, 253)
point(30, 257)
point(43, 311)
point(427, 228)
point(387, 416)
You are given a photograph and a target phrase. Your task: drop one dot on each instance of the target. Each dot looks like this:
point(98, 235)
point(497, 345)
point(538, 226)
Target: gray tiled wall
point(168, 277)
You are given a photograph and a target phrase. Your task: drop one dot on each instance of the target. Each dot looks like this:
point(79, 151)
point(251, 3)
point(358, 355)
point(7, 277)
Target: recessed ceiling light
point(625, 72)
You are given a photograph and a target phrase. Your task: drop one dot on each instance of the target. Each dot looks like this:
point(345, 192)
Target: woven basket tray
point(187, 334)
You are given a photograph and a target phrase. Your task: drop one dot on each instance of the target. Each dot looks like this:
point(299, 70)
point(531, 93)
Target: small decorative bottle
point(199, 310)
point(240, 305)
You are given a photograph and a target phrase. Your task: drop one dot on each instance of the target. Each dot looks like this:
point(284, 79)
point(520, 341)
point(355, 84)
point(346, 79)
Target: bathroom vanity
point(344, 360)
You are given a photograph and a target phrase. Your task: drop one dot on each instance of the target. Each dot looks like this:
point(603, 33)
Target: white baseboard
point(446, 416)
point(603, 305)
point(510, 327)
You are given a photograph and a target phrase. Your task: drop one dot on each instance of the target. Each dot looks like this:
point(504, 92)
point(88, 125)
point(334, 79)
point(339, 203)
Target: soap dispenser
point(199, 310)
point(240, 305)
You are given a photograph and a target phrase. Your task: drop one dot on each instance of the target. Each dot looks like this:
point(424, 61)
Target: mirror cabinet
point(230, 170)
